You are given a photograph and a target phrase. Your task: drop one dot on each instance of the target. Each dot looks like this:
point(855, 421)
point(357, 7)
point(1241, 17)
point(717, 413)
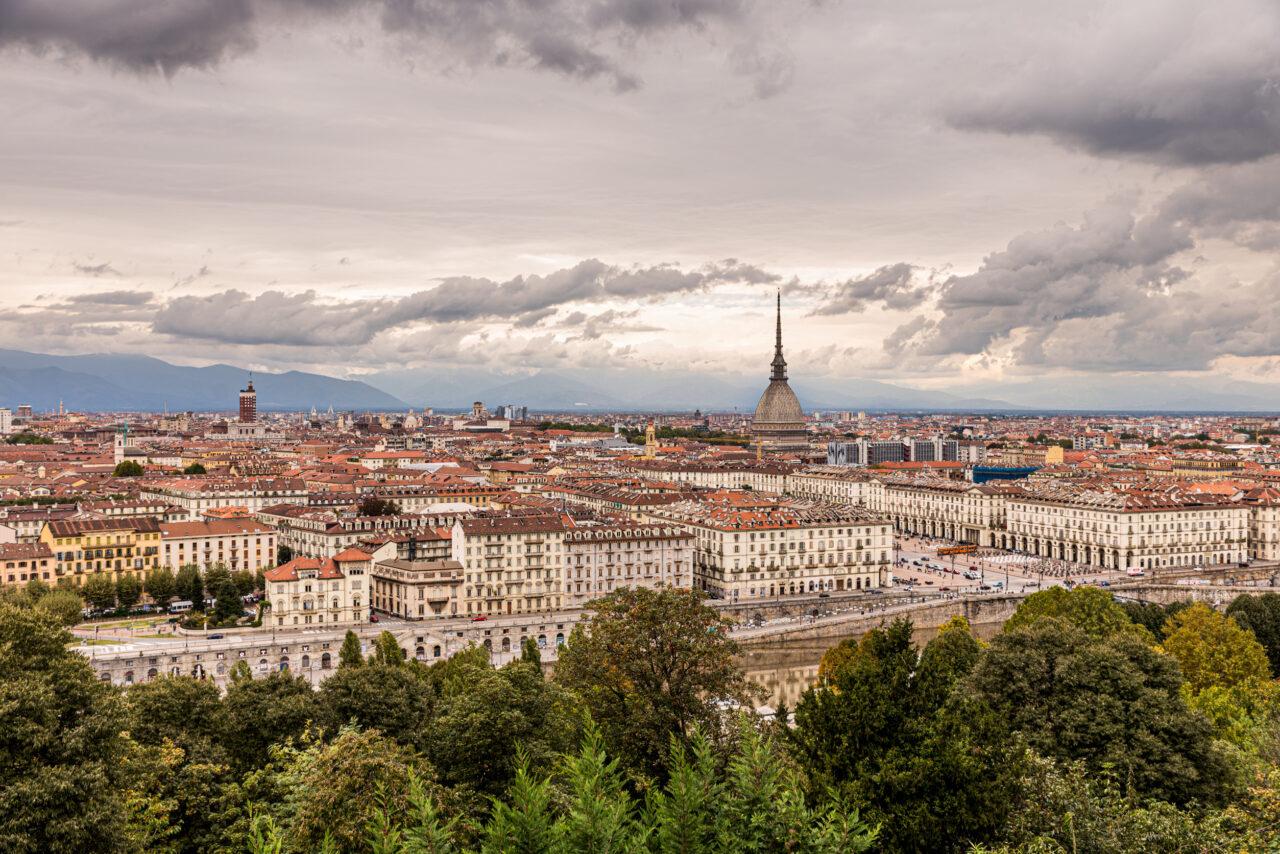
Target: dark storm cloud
point(1171, 81)
point(140, 35)
point(1238, 203)
point(572, 37)
point(893, 285)
point(305, 319)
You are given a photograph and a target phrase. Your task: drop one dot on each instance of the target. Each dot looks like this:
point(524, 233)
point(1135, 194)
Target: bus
point(180, 607)
point(963, 549)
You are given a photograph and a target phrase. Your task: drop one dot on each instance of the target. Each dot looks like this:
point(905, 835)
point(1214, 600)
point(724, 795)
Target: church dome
point(779, 407)
point(779, 421)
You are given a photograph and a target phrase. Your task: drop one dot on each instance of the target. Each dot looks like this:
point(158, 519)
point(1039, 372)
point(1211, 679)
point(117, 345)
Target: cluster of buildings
point(424, 516)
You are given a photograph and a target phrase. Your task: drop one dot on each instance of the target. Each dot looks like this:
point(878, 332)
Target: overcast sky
point(945, 192)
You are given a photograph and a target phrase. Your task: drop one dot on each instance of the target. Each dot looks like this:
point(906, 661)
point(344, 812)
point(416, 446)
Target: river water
point(785, 668)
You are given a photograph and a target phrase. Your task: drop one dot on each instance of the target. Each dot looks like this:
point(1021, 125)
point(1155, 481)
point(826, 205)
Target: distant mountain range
point(103, 382)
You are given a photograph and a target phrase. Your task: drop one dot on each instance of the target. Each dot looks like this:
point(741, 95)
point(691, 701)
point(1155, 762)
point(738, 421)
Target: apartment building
point(784, 550)
point(836, 485)
point(320, 532)
point(24, 524)
point(760, 477)
point(196, 495)
point(602, 558)
point(308, 591)
point(123, 546)
point(941, 507)
point(237, 544)
point(513, 563)
point(417, 589)
point(1121, 529)
point(23, 562)
point(1264, 522)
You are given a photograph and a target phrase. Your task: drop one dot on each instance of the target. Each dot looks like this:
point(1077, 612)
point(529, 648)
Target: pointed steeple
point(779, 363)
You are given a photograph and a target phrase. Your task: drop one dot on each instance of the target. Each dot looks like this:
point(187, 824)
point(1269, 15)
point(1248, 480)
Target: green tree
point(524, 824)
point(1112, 703)
point(1061, 807)
point(160, 586)
point(1151, 616)
point(37, 589)
point(260, 712)
point(128, 468)
point(482, 714)
point(685, 813)
point(61, 743)
point(1090, 609)
point(128, 590)
point(194, 468)
point(214, 575)
point(374, 506)
point(387, 650)
point(189, 586)
point(180, 710)
point(395, 699)
point(764, 809)
point(600, 813)
point(63, 605)
point(245, 582)
point(99, 591)
point(28, 438)
point(350, 654)
point(650, 663)
point(284, 554)
point(529, 652)
point(336, 789)
point(228, 607)
point(1212, 649)
point(887, 728)
point(1260, 615)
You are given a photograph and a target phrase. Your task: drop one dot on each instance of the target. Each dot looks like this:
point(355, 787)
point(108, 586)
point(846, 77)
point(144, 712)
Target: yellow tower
point(650, 442)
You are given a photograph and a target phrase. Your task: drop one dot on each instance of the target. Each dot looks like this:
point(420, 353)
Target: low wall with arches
point(313, 655)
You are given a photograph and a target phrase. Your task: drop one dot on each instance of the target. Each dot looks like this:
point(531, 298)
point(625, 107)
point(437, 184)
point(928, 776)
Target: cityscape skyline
point(496, 206)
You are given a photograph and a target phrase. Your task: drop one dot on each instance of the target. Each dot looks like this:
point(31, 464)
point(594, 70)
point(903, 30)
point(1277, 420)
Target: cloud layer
point(577, 38)
point(1175, 81)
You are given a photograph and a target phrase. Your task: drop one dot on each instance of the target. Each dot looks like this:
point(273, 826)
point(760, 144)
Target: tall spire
point(779, 363)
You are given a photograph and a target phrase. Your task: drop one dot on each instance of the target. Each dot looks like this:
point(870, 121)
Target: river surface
point(785, 668)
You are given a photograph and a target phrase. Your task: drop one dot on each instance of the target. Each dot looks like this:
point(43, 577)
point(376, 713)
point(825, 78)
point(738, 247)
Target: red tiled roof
point(289, 571)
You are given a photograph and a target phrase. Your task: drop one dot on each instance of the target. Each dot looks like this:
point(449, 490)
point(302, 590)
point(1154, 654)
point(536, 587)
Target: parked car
point(216, 636)
point(373, 618)
point(824, 595)
point(479, 618)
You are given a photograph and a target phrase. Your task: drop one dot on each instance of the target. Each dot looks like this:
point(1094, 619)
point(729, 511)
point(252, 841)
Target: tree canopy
point(128, 468)
point(650, 664)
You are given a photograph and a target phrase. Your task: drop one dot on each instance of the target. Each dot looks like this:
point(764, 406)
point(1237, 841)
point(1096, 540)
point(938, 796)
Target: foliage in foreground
point(1075, 729)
